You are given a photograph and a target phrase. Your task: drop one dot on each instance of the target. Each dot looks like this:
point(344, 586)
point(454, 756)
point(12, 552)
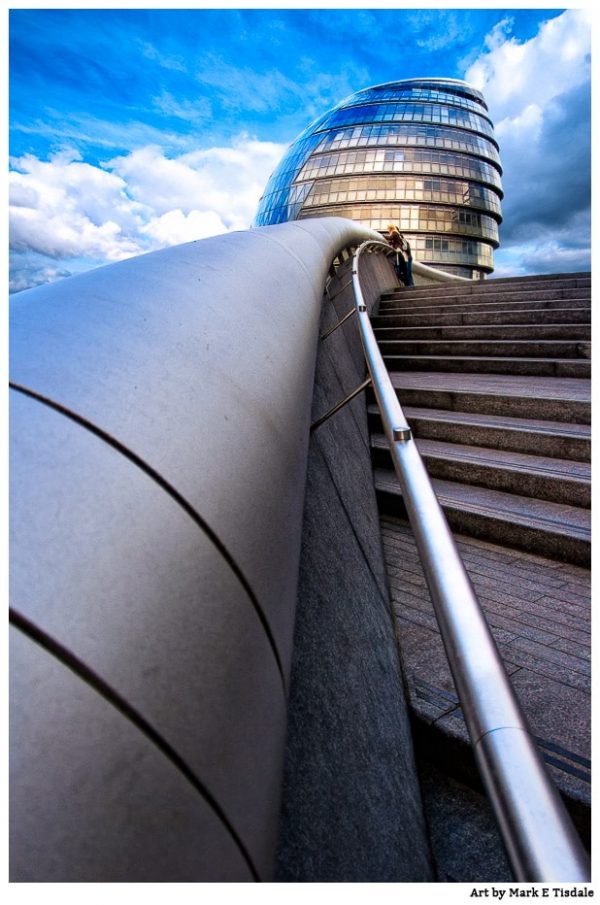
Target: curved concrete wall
point(159, 431)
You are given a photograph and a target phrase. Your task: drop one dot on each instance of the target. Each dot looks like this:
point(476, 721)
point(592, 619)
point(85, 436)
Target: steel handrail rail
point(541, 841)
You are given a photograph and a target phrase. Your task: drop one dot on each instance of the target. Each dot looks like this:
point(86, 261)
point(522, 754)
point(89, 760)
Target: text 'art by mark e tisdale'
point(532, 892)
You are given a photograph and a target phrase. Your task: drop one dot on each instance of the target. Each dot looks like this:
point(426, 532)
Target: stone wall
point(351, 801)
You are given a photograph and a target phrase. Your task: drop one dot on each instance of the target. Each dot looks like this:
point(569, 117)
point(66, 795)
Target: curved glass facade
point(420, 153)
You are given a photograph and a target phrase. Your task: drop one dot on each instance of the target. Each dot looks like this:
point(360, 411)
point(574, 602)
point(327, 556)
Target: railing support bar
point(339, 290)
point(339, 323)
point(340, 405)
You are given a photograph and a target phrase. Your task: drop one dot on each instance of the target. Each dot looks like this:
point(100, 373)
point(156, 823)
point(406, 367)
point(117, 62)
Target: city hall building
point(420, 153)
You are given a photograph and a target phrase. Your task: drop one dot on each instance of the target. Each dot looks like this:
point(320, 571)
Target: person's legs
point(400, 272)
point(400, 268)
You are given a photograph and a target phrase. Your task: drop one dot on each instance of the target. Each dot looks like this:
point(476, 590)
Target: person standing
point(401, 246)
point(405, 245)
point(394, 238)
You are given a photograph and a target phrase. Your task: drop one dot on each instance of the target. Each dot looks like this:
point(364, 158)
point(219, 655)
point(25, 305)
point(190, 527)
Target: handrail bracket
point(401, 433)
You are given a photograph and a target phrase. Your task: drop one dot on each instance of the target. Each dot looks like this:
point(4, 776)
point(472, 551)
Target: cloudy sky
point(131, 130)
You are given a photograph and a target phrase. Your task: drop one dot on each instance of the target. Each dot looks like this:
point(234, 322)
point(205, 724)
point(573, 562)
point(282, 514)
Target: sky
point(131, 130)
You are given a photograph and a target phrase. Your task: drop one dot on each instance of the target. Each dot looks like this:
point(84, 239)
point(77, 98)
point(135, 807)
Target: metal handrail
point(540, 839)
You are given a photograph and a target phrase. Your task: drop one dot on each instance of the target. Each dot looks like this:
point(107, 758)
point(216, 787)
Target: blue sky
point(134, 129)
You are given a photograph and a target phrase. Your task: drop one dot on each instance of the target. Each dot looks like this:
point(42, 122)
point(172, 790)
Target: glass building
point(419, 153)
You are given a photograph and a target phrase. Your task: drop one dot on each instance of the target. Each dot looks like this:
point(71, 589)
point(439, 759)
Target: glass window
point(409, 160)
point(421, 153)
point(409, 112)
point(408, 134)
point(415, 92)
point(403, 188)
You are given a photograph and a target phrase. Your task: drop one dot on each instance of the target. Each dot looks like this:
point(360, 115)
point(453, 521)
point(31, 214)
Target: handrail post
point(541, 841)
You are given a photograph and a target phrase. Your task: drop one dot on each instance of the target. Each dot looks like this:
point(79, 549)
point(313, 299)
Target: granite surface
point(539, 613)
point(352, 809)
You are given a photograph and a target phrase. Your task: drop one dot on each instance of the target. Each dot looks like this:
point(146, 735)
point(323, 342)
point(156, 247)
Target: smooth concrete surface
point(148, 607)
point(352, 809)
point(200, 359)
point(157, 538)
point(99, 796)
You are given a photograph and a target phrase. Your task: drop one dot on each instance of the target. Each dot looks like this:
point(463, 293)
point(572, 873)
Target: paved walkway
point(539, 613)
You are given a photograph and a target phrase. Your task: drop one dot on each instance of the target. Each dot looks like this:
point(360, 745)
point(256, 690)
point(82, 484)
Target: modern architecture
point(417, 152)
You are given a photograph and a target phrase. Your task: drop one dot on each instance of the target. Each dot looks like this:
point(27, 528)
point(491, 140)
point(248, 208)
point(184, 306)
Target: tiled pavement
point(539, 614)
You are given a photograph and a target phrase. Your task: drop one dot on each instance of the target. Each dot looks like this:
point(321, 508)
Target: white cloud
point(64, 209)
point(538, 93)
point(175, 227)
point(27, 273)
point(226, 180)
point(523, 127)
point(513, 75)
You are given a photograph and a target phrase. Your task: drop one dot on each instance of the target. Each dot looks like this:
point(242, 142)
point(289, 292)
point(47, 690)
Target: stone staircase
point(494, 379)
point(499, 403)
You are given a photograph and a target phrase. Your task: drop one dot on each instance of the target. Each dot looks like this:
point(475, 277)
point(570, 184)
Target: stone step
point(504, 348)
point(509, 284)
point(392, 309)
point(540, 367)
point(401, 297)
point(499, 407)
point(579, 276)
point(545, 438)
point(503, 316)
point(511, 332)
point(543, 636)
point(542, 398)
point(540, 477)
point(487, 287)
point(546, 528)
point(582, 281)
